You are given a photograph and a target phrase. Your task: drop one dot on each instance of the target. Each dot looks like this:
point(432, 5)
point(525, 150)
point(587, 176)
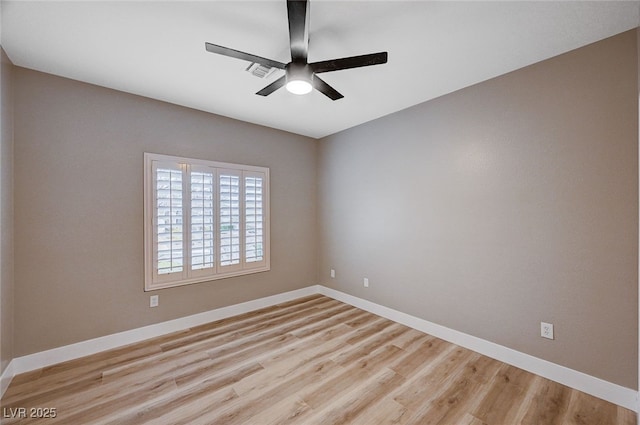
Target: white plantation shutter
point(229, 210)
point(254, 218)
point(168, 222)
point(204, 220)
point(203, 217)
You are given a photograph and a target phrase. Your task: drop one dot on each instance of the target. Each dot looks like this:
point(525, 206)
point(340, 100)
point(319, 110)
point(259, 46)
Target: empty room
point(319, 212)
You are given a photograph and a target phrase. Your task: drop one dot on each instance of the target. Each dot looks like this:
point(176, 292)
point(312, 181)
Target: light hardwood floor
point(310, 361)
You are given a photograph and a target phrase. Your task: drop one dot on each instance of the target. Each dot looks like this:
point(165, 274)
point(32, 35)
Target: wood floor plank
point(469, 419)
point(507, 391)
point(376, 327)
point(429, 349)
point(349, 377)
point(68, 374)
point(586, 409)
point(280, 367)
point(52, 396)
point(121, 401)
point(254, 404)
point(156, 367)
point(419, 391)
point(336, 319)
point(303, 300)
point(412, 339)
point(188, 412)
point(385, 411)
point(626, 417)
point(291, 410)
point(372, 341)
point(309, 361)
point(214, 388)
point(362, 398)
point(251, 322)
point(548, 403)
point(459, 394)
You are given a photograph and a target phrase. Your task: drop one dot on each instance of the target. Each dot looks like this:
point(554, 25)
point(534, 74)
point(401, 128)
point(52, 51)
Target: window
point(204, 220)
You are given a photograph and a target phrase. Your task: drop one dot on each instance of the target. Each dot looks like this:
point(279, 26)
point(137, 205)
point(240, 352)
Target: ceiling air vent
point(260, 70)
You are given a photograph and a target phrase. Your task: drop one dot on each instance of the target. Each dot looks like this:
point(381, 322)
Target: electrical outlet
point(366, 282)
point(546, 330)
point(153, 301)
point(333, 274)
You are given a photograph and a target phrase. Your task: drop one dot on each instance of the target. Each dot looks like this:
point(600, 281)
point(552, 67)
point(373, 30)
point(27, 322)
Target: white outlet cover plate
point(546, 330)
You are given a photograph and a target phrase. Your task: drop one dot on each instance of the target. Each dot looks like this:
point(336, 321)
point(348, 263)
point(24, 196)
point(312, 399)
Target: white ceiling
point(156, 49)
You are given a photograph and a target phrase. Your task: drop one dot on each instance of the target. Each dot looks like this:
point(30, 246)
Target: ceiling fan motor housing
point(299, 71)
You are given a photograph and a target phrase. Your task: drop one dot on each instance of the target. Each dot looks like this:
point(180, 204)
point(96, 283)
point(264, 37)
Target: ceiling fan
point(300, 75)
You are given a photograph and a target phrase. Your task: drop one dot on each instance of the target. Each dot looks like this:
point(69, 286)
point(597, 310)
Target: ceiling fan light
point(299, 77)
point(299, 87)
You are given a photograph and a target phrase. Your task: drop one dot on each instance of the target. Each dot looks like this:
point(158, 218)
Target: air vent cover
point(260, 70)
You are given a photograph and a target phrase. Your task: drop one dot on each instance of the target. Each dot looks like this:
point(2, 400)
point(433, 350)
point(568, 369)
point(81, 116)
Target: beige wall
point(79, 211)
point(6, 212)
point(499, 206)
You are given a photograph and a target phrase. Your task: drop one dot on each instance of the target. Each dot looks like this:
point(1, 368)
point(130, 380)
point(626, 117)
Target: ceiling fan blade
point(273, 86)
point(214, 48)
point(326, 89)
point(298, 11)
point(350, 62)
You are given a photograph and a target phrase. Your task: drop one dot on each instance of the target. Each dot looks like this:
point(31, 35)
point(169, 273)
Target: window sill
point(164, 285)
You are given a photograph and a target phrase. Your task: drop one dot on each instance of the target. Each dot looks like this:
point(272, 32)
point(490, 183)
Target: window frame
point(153, 280)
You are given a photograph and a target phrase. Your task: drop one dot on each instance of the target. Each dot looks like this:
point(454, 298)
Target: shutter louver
point(229, 230)
point(169, 227)
point(254, 231)
point(202, 220)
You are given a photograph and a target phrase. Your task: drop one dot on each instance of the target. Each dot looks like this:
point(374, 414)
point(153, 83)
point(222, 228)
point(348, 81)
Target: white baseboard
point(6, 377)
point(596, 387)
point(611, 392)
